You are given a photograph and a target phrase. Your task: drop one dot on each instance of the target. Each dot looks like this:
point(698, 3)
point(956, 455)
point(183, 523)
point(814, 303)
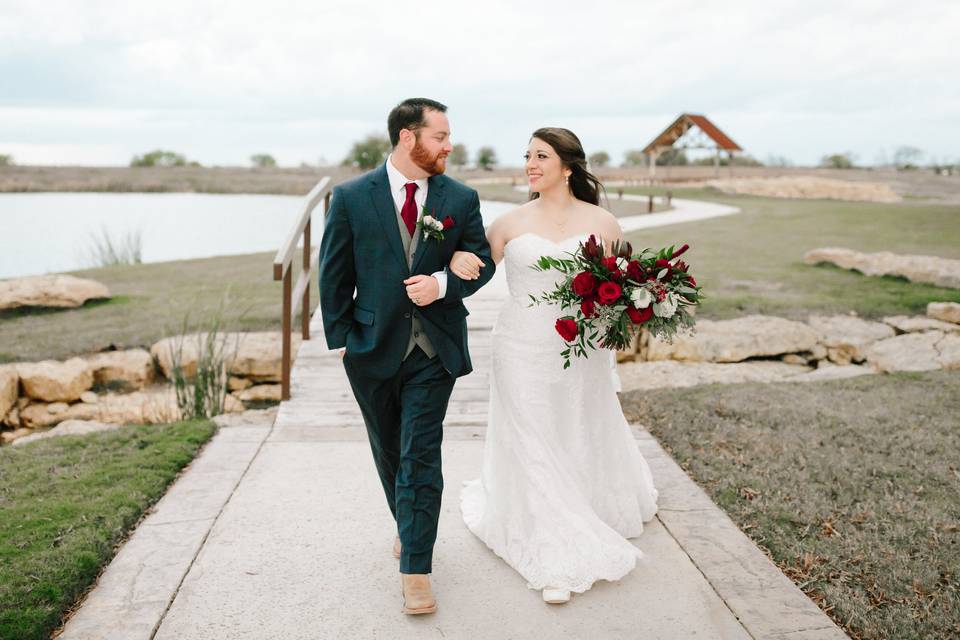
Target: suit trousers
point(404, 419)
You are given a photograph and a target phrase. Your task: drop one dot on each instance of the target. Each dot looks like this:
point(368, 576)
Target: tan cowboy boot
point(397, 547)
point(417, 594)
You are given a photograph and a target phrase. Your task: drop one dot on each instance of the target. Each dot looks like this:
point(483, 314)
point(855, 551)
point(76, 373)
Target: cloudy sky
point(87, 82)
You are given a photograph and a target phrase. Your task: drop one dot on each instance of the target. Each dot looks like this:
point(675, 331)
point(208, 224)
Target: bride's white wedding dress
point(563, 484)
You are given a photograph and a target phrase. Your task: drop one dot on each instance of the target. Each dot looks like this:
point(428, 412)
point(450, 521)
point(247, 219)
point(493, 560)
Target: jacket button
point(406, 315)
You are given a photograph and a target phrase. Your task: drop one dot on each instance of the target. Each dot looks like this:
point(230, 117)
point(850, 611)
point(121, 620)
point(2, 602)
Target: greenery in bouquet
point(614, 295)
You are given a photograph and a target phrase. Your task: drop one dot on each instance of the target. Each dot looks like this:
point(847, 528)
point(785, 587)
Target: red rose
point(635, 271)
point(587, 308)
point(609, 292)
point(584, 284)
point(637, 316)
point(610, 262)
point(663, 264)
point(448, 222)
point(567, 328)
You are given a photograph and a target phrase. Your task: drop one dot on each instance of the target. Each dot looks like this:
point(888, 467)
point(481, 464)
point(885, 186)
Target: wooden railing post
point(298, 295)
point(287, 321)
point(305, 305)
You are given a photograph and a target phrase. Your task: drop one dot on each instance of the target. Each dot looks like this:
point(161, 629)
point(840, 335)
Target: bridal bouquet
point(614, 295)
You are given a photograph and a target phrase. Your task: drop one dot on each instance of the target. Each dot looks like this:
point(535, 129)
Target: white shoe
point(556, 596)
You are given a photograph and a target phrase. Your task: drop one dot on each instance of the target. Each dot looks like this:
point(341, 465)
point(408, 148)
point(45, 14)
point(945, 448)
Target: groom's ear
point(408, 139)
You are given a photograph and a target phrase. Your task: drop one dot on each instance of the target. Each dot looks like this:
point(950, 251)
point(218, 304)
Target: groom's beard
point(434, 165)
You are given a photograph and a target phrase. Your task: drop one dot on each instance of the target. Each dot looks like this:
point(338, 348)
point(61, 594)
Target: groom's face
point(433, 143)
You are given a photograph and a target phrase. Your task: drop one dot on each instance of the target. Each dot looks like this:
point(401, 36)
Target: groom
point(405, 330)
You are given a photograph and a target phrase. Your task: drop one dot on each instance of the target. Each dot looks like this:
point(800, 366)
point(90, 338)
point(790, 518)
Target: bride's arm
point(467, 265)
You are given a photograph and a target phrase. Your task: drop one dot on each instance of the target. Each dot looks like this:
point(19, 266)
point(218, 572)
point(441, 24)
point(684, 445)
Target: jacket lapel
point(434, 205)
point(387, 211)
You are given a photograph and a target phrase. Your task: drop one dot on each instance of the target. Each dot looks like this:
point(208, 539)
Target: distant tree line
point(161, 158)
point(6, 160)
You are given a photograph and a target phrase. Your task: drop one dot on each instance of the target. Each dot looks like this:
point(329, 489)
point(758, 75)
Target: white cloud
point(794, 78)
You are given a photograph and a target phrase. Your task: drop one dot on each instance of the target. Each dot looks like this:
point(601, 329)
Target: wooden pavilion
point(704, 135)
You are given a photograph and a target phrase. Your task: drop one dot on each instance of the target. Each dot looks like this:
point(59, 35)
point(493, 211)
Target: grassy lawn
point(853, 494)
point(66, 502)
point(150, 302)
point(752, 262)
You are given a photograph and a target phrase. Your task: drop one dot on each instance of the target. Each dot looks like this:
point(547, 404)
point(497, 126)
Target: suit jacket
point(361, 252)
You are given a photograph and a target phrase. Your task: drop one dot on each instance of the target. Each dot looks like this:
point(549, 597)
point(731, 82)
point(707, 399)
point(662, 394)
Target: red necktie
point(409, 211)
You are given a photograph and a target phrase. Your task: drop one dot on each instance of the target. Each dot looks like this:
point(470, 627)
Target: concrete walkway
point(280, 530)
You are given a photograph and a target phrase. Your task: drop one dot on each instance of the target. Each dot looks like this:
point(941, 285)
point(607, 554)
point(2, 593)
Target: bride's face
point(543, 166)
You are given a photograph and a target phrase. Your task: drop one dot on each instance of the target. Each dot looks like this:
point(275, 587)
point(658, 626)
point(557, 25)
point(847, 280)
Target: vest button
point(416, 334)
point(406, 315)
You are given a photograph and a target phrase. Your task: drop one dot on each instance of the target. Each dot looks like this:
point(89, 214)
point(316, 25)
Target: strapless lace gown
point(563, 484)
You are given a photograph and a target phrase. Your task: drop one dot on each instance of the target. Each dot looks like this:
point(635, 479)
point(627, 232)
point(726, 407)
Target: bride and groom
point(563, 485)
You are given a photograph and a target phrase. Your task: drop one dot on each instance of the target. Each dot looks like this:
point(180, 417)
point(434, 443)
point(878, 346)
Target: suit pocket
point(456, 313)
point(362, 315)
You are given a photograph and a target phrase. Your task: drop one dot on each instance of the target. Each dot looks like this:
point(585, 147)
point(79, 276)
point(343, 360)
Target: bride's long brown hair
point(583, 184)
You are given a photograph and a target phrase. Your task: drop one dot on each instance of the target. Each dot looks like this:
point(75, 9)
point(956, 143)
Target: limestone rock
point(238, 384)
point(232, 405)
point(808, 187)
point(735, 340)
point(132, 368)
point(948, 351)
point(9, 389)
point(89, 397)
point(906, 352)
point(795, 358)
point(49, 291)
point(945, 311)
point(68, 428)
point(258, 354)
point(907, 324)
point(846, 337)
point(11, 436)
point(671, 373)
point(833, 372)
point(261, 392)
point(942, 272)
point(13, 418)
point(53, 381)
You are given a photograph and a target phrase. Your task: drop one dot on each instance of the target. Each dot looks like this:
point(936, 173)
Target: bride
point(563, 484)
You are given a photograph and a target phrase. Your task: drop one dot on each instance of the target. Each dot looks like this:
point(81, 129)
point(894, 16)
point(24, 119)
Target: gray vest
point(417, 335)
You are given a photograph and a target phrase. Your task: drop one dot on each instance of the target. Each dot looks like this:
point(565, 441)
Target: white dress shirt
point(399, 193)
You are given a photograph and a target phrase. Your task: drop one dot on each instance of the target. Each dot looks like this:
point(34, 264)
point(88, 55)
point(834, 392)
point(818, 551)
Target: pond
point(53, 232)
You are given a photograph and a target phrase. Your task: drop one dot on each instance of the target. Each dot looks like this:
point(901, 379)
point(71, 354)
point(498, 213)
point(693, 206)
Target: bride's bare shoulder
point(506, 224)
point(602, 219)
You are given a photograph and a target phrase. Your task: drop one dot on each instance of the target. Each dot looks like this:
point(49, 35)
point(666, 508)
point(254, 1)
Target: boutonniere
point(431, 226)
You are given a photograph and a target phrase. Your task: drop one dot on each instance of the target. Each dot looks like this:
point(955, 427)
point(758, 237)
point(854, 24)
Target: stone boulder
point(662, 374)
point(946, 311)
point(8, 437)
point(906, 352)
point(828, 371)
point(52, 381)
point(49, 291)
point(9, 390)
point(942, 272)
point(132, 369)
point(908, 324)
point(735, 340)
point(68, 428)
point(260, 393)
point(846, 337)
point(258, 355)
point(948, 351)
point(140, 407)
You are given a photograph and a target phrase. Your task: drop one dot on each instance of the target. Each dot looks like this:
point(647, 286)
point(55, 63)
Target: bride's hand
point(465, 265)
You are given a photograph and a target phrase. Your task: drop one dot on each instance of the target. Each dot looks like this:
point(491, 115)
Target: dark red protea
point(591, 249)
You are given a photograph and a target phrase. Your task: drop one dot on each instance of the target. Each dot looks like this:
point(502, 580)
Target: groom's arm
point(338, 277)
point(474, 240)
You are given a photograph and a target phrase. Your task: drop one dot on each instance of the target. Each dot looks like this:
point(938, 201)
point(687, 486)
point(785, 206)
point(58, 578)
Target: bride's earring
point(566, 179)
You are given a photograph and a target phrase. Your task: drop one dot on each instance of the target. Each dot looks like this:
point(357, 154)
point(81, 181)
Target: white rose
point(667, 308)
point(622, 264)
point(428, 221)
point(641, 298)
point(437, 225)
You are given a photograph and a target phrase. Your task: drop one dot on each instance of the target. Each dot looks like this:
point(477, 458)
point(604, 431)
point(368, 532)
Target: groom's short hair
point(409, 115)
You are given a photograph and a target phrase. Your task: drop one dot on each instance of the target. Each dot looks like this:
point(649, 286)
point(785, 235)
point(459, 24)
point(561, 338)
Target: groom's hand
point(422, 290)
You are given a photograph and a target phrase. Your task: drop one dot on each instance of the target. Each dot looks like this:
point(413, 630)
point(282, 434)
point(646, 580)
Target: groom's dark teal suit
point(402, 393)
